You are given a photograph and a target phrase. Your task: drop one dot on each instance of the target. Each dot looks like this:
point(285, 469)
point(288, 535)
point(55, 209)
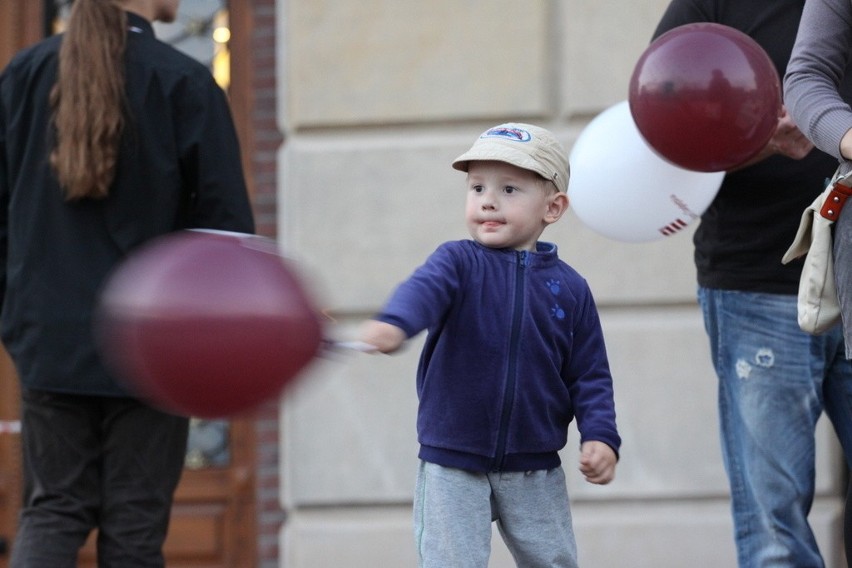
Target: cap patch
point(512, 134)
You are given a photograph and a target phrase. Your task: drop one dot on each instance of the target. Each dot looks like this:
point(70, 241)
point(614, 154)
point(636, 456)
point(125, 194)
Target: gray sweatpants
point(454, 509)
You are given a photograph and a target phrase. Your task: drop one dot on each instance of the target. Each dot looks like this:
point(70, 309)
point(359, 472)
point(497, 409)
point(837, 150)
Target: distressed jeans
point(774, 383)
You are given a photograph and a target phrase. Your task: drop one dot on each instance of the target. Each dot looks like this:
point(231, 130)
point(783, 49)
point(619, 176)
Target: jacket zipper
point(511, 379)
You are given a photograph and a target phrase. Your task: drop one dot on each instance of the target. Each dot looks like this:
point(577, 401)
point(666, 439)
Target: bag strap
point(835, 200)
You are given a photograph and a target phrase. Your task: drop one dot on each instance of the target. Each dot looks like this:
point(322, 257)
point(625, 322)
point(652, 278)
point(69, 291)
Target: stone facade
point(376, 97)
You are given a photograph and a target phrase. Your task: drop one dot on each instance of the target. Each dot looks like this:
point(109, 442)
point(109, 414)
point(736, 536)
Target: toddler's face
point(507, 206)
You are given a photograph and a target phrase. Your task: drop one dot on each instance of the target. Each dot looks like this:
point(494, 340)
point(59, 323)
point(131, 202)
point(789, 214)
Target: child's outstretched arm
point(385, 337)
point(597, 462)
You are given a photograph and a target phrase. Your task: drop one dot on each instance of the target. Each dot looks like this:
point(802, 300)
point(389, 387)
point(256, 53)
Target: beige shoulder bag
point(819, 308)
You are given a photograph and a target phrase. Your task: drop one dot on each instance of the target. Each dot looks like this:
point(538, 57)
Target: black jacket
point(179, 167)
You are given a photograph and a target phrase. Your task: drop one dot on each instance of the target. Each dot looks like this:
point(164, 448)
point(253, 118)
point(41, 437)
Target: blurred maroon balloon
point(207, 323)
point(705, 96)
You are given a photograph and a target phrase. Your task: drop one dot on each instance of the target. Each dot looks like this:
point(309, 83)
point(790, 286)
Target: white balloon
point(620, 188)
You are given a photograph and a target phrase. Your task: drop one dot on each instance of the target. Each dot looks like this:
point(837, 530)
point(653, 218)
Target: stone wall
point(376, 97)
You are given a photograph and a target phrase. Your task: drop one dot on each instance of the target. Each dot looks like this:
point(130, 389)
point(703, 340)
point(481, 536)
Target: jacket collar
point(138, 24)
point(545, 253)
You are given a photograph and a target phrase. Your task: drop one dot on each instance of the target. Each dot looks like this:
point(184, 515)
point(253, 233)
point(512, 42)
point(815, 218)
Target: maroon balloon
point(207, 323)
point(705, 97)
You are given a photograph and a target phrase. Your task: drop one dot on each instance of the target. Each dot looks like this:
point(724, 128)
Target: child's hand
point(597, 462)
point(385, 337)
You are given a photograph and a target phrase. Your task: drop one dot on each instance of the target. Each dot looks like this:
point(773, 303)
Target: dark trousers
point(847, 524)
point(96, 462)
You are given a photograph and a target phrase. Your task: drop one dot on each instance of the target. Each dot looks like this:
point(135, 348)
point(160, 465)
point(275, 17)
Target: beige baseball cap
point(524, 145)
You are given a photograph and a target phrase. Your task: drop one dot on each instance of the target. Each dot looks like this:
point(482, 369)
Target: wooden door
point(21, 23)
point(214, 517)
point(10, 457)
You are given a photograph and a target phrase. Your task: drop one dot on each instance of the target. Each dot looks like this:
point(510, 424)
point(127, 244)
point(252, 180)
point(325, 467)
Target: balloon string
point(327, 315)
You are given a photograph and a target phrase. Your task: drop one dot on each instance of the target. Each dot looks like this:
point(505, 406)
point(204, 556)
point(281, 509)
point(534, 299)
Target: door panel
point(21, 23)
point(211, 521)
point(10, 457)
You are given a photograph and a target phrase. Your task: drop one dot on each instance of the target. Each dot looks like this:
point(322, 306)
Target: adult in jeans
point(775, 381)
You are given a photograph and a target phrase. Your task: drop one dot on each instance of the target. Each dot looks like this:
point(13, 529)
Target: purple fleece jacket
point(514, 352)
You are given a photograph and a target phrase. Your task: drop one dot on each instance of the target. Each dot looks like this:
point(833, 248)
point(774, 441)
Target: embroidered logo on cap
point(513, 134)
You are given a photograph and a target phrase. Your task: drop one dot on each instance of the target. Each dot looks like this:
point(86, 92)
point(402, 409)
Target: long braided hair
point(88, 99)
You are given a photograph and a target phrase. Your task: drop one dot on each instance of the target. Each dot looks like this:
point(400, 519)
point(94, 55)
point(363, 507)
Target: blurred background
point(350, 113)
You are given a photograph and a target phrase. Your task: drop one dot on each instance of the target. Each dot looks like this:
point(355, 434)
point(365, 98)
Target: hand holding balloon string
point(787, 140)
point(375, 337)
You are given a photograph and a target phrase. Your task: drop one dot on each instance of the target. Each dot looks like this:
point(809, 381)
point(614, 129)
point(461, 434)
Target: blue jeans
point(774, 383)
